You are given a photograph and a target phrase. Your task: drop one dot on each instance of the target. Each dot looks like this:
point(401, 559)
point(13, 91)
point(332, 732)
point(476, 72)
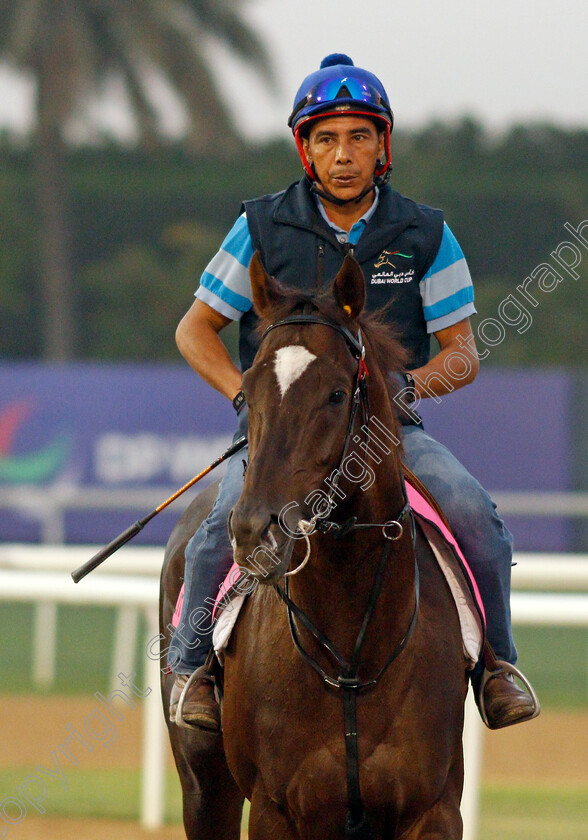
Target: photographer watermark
point(514, 310)
point(379, 442)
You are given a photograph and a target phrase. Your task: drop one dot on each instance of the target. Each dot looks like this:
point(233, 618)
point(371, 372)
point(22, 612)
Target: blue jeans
point(483, 538)
point(482, 535)
point(209, 557)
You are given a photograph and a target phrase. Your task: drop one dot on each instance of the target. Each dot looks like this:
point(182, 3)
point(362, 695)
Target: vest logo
point(384, 258)
point(392, 277)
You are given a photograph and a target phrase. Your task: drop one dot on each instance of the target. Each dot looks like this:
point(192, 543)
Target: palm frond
point(72, 46)
point(19, 30)
point(221, 19)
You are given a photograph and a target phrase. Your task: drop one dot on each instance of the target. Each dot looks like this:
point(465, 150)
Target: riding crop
point(134, 529)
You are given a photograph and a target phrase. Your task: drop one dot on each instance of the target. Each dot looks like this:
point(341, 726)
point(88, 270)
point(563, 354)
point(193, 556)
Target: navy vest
point(395, 251)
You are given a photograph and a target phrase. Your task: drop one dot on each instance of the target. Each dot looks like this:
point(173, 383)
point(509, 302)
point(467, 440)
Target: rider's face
point(344, 152)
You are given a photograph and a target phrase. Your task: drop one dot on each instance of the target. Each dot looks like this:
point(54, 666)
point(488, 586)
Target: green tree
point(72, 48)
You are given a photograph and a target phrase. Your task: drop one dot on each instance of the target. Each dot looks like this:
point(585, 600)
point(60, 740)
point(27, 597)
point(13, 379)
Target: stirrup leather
point(506, 668)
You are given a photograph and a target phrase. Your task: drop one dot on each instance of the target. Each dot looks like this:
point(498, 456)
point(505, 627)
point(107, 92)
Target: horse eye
point(337, 397)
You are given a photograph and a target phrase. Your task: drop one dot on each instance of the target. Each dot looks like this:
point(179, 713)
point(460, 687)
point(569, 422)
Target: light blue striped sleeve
point(225, 284)
point(446, 289)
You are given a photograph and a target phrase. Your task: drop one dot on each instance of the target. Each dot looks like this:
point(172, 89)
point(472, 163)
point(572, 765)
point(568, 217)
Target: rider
point(342, 123)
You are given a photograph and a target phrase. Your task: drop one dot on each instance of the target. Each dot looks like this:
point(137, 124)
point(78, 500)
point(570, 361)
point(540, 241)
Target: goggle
point(346, 88)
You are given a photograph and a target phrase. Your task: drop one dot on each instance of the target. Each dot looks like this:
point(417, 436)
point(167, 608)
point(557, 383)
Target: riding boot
point(192, 702)
point(501, 701)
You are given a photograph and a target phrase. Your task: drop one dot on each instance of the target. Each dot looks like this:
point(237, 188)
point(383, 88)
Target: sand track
point(552, 750)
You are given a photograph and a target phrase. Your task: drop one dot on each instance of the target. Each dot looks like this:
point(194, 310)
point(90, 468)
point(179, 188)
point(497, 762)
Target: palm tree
point(72, 48)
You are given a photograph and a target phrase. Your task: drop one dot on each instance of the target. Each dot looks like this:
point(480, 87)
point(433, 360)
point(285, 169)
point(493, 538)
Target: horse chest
point(297, 752)
point(284, 729)
point(393, 775)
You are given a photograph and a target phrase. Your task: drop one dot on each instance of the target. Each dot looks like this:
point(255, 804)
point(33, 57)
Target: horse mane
point(381, 337)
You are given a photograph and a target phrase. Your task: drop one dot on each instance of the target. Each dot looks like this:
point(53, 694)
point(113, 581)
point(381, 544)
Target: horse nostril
point(249, 528)
point(267, 535)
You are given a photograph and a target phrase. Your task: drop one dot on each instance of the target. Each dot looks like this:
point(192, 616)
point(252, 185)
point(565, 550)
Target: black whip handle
point(105, 552)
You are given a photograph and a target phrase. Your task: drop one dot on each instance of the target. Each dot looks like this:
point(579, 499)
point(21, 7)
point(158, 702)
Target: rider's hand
point(406, 385)
point(242, 410)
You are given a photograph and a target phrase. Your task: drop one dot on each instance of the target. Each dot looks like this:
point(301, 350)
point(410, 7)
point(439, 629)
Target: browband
point(355, 344)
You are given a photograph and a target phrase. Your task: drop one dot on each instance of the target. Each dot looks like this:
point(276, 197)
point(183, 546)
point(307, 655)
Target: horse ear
point(349, 287)
point(267, 292)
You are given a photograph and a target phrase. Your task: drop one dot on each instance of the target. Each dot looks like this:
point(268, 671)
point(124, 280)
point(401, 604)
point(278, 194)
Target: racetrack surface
point(550, 750)
point(55, 828)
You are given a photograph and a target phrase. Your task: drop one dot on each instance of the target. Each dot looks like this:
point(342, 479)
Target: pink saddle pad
point(420, 506)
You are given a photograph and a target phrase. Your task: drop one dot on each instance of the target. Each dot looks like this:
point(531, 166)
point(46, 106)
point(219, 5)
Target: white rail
point(131, 560)
point(567, 573)
point(110, 590)
point(517, 503)
point(41, 574)
point(134, 560)
point(49, 505)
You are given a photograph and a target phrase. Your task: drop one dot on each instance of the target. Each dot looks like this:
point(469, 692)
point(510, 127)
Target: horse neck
point(381, 449)
point(336, 586)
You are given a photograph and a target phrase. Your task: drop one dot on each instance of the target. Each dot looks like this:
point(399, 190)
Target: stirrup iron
point(506, 668)
point(179, 718)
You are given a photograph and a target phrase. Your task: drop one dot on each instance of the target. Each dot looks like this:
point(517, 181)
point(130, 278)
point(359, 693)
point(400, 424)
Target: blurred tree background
point(73, 49)
point(102, 245)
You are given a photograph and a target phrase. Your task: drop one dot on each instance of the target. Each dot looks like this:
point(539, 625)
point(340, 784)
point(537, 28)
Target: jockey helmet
point(340, 88)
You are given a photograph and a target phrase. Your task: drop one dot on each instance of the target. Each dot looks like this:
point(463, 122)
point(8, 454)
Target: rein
point(349, 677)
point(348, 680)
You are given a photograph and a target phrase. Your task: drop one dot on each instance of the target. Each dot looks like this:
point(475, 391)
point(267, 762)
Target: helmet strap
point(310, 174)
point(383, 168)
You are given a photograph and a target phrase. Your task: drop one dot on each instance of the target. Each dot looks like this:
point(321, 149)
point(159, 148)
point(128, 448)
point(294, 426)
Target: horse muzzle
point(260, 547)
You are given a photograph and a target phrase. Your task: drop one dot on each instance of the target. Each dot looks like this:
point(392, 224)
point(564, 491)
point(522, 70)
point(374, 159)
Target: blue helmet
point(340, 88)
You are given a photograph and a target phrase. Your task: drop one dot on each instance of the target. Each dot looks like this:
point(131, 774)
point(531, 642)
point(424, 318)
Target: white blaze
point(289, 365)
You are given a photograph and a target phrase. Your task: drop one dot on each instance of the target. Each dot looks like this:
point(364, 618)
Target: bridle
point(360, 397)
point(348, 681)
point(392, 529)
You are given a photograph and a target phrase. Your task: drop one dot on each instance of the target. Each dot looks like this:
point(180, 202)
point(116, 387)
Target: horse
point(211, 801)
point(345, 677)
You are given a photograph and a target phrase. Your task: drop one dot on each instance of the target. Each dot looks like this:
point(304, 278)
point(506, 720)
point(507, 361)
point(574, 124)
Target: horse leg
point(443, 820)
point(212, 803)
point(439, 823)
point(267, 821)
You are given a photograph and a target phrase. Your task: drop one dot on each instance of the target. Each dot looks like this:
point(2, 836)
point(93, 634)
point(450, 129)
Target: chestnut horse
point(344, 683)
point(212, 803)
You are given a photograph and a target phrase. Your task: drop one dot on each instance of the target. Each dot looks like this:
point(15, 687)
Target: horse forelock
point(378, 334)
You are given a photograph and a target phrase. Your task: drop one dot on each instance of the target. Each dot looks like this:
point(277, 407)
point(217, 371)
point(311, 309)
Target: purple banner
point(511, 429)
point(118, 427)
point(110, 427)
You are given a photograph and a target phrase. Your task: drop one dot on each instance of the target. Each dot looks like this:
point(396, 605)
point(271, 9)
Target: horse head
point(321, 371)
